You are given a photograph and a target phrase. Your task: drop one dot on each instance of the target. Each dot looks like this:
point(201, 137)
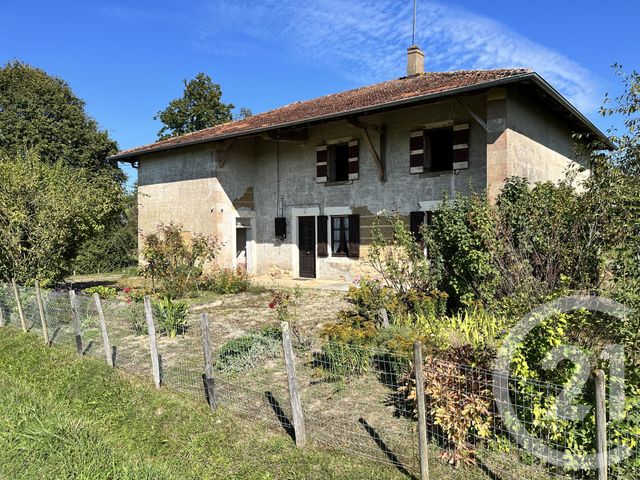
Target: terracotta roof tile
point(335, 104)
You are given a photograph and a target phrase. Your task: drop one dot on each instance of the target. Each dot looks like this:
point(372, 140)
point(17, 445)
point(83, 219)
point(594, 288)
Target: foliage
point(45, 216)
point(247, 351)
point(40, 112)
point(459, 401)
point(226, 281)
point(102, 291)
point(199, 107)
point(115, 247)
point(529, 245)
point(174, 262)
point(171, 316)
point(400, 261)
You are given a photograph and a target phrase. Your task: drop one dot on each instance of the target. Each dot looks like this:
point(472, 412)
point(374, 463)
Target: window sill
point(332, 184)
point(436, 174)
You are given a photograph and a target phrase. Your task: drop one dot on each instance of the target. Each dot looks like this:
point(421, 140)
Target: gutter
point(388, 106)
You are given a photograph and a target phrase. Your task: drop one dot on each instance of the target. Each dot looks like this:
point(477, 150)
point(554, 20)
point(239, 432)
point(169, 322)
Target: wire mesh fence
point(355, 399)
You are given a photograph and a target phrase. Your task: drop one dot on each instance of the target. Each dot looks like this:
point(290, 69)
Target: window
point(339, 162)
point(417, 220)
point(439, 149)
point(340, 236)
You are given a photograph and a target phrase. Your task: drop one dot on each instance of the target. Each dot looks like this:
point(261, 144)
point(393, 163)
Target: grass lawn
point(67, 418)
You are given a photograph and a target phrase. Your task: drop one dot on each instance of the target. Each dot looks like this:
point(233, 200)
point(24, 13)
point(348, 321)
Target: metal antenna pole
point(413, 34)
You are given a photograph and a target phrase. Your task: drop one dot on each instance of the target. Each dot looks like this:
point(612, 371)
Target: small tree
point(174, 262)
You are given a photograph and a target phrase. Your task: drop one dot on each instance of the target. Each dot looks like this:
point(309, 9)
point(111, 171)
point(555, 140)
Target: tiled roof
point(364, 98)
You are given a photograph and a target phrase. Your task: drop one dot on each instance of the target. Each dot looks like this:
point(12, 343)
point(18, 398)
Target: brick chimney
point(415, 60)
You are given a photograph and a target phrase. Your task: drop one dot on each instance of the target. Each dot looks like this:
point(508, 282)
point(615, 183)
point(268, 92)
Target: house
point(297, 188)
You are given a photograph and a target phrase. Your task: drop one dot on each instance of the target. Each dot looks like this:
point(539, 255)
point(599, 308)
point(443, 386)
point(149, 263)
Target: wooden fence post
point(153, 346)
point(103, 327)
point(423, 445)
point(76, 321)
point(2, 315)
point(19, 303)
point(208, 361)
point(384, 318)
point(43, 317)
point(601, 425)
point(296, 406)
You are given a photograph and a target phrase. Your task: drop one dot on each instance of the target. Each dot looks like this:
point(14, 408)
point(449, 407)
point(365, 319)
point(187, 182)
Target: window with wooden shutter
point(354, 153)
point(354, 236)
point(461, 146)
point(321, 163)
point(416, 151)
point(323, 239)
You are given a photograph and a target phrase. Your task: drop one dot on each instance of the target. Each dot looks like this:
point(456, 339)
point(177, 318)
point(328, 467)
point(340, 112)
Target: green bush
point(173, 262)
point(247, 351)
point(171, 316)
point(226, 281)
point(104, 292)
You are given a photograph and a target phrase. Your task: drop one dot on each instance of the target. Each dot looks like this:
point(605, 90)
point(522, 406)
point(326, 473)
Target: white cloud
point(365, 40)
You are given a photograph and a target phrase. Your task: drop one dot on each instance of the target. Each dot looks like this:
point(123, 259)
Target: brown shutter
point(461, 146)
point(416, 151)
point(427, 152)
point(322, 247)
point(416, 219)
point(353, 159)
point(321, 163)
point(354, 236)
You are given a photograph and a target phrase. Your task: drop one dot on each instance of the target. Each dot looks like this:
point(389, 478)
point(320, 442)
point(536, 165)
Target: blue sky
point(127, 59)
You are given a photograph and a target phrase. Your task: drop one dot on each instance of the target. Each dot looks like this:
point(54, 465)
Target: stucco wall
point(540, 146)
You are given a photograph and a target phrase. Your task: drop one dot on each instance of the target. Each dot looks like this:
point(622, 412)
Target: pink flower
point(126, 289)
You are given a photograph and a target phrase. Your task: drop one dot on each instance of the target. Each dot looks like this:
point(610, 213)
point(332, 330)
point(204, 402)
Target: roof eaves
point(550, 90)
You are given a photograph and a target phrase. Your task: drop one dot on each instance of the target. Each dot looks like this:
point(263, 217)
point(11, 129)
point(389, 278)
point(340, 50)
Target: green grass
point(67, 418)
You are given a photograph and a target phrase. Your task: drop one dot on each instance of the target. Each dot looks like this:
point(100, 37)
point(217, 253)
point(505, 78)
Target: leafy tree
point(41, 112)
point(199, 107)
point(47, 210)
point(116, 246)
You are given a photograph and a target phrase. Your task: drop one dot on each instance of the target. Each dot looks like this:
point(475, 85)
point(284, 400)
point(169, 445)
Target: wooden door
point(307, 246)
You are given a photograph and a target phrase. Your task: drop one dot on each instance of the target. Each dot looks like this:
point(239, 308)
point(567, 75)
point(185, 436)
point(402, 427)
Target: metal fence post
point(422, 415)
point(296, 406)
point(76, 321)
point(19, 303)
point(43, 317)
point(153, 346)
point(209, 382)
point(601, 425)
point(103, 327)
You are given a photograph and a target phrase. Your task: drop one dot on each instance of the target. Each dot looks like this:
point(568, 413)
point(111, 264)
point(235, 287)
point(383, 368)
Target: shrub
point(227, 280)
point(459, 403)
point(171, 316)
point(174, 262)
point(248, 350)
point(104, 292)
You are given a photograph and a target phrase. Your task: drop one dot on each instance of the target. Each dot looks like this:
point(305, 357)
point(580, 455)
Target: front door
point(307, 246)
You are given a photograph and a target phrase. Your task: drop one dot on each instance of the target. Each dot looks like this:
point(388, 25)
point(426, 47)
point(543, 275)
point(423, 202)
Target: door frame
point(296, 212)
point(313, 220)
point(251, 239)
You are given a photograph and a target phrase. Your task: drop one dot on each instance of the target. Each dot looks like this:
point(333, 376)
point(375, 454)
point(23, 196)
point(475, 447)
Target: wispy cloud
point(365, 40)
